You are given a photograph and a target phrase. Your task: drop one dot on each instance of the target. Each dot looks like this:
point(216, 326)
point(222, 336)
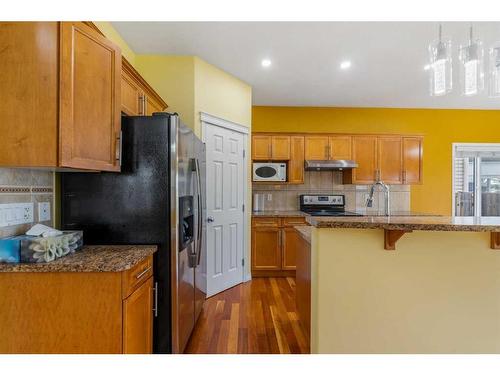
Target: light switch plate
point(43, 211)
point(16, 213)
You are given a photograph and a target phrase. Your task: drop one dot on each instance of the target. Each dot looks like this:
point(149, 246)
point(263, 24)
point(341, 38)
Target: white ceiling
point(387, 59)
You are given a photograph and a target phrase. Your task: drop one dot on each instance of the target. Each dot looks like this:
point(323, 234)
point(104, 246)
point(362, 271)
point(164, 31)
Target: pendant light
point(440, 66)
point(494, 71)
point(471, 56)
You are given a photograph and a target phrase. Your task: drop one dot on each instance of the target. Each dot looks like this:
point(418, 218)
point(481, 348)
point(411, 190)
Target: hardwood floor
point(257, 317)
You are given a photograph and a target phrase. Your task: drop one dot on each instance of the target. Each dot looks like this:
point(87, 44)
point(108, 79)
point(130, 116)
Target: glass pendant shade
point(494, 71)
point(471, 58)
point(440, 67)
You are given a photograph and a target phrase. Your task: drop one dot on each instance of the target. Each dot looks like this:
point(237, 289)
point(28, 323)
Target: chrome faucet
point(387, 198)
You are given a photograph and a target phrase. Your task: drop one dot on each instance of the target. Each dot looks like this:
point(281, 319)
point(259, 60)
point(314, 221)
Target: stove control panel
point(325, 200)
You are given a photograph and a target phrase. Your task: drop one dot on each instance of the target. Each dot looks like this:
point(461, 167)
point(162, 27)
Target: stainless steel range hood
point(329, 165)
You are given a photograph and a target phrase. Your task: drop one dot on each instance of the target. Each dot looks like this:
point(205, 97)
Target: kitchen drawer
point(294, 221)
point(134, 277)
point(266, 222)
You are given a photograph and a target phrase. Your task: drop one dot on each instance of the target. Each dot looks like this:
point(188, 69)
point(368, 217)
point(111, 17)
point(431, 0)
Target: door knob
point(210, 219)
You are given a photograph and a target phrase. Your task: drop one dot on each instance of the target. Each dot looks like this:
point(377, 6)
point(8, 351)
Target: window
point(476, 179)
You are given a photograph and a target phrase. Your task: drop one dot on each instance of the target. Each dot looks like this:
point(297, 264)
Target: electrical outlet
point(16, 213)
point(43, 211)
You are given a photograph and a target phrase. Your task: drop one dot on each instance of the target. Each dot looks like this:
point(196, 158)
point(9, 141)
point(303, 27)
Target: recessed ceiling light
point(266, 63)
point(427, 67)
point(345, 64)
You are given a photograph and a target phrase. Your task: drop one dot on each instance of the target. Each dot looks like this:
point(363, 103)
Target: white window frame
point(474, 147)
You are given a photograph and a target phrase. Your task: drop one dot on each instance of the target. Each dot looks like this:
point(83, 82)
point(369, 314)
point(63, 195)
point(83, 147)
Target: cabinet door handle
point(269, 151)
point(155, 297)
point(118, 149)
point(141, 105)
point(326, 152)
point(145, 271)
point(404, 177)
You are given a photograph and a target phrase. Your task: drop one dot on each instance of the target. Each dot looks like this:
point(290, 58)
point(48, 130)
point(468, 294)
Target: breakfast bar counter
point(437, 291)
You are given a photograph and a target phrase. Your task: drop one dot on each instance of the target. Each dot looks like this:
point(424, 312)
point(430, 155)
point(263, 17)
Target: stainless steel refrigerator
point(158, 198)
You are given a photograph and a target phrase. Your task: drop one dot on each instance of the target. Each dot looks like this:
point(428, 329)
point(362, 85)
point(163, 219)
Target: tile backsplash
point(286, 197)
point(25, 186)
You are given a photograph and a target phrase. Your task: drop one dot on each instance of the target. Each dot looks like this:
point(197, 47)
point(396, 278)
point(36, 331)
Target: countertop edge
point(430, 226)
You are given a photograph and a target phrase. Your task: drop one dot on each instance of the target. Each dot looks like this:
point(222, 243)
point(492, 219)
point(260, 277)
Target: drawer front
point(266, 222)
point(294, 221)
point(134, 277)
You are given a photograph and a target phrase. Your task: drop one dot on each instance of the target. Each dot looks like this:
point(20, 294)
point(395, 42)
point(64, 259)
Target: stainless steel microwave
point(269, 171)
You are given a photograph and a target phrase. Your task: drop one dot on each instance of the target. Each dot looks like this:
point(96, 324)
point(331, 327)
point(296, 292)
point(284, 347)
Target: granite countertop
point(96, 258)
point(393, 213)
point(279, 214)
point(433, 223)
point(304, 231)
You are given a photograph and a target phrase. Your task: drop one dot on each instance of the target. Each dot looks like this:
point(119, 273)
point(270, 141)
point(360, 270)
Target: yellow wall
point(222, 95)
point(440, 128)
point(438, 292)
point(111, 33)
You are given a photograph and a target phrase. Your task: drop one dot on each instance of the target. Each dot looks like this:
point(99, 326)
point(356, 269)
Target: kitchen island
point(421, 284)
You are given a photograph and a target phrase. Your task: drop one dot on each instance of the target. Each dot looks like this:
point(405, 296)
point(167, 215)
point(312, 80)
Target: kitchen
point(230, 215)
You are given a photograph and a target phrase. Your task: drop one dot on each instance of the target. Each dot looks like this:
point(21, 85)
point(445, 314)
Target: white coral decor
point(50, 248)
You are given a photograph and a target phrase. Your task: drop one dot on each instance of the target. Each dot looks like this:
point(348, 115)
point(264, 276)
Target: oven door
point(269, 171)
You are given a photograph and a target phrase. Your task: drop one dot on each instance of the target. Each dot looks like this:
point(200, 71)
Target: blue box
point(10, 249)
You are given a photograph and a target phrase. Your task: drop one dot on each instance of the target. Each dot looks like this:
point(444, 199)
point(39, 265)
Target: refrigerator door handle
point(200, 214)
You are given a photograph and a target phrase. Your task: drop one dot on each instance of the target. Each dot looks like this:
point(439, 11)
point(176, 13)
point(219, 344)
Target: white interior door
point(225, 200)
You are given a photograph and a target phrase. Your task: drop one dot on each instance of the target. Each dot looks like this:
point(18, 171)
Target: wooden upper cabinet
point(390, 159)
point(261, 147)
point(364, 152)
point(316, 147)
point(152, 106)
point(296, 163)
point(138, 97)
point(131, 96)
point(340, 147)
point(412, 160)
point(280, 147)
point(138, 320)
point(60, 97)
point(270, 147)
point(90, 82)
point(29, 80)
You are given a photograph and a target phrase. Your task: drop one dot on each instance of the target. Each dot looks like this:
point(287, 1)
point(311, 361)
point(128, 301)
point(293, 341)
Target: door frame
point(207, 119)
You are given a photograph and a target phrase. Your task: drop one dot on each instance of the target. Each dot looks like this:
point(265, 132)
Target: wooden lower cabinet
point(303, 284)
point(274, 245)
point(77, 312)
point(289, 238)
point(266, 249)
point(138, 320)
